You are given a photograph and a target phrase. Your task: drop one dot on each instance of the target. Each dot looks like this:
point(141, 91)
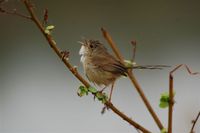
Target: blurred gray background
point(38, 94)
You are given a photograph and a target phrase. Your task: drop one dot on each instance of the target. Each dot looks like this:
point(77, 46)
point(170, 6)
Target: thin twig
point(132, 78)
point(45, 17)
point(171, 103)
point(112, 45)
point(74, 71)
point(150, 66)
point(14, 12)
point(134, 50)
point(171, 93)
point(194, 123)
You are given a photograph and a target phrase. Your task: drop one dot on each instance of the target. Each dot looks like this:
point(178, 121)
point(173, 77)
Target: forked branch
point(12, 12)
point(171, 93)
point(132, 78)
point(74, 71)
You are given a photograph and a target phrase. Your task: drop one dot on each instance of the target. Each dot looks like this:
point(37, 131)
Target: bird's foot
point(104, 109)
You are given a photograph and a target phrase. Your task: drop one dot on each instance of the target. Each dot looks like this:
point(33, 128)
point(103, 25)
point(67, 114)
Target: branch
point(194, 123)
point(52, 44)
point(171, 93)
point(132, 78)
point(13, 12)
point(133, 43)
point(112, 45)
point(150, 66)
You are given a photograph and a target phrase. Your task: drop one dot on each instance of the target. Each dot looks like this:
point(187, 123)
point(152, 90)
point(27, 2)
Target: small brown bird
point(100, 67)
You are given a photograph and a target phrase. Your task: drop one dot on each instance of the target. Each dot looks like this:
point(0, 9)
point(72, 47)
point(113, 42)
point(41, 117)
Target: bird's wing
point(110, 64)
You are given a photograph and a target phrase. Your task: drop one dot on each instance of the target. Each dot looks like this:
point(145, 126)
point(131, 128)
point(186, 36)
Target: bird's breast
point(96, 74)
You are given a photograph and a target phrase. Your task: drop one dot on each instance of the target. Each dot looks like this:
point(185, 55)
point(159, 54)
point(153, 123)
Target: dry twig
point(134, 50)
point(171, 93)
point(132, 78)
point(194, 123)
point(13, 12)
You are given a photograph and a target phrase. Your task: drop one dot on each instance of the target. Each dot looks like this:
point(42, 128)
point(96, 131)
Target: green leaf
point(102, 97)
point(50, 27)
point(163, 105)
point(47, 32)
point(164, 130)
point(104, 100)
point(92, 90)
point(99, 95)
point(105, 96)
point(164, 100)
point(82, 90)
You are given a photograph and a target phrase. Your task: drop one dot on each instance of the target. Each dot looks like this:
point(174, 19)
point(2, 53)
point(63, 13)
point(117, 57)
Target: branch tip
point(194, 122)
point(133, 42)
point(187, 68)
point(45, 16)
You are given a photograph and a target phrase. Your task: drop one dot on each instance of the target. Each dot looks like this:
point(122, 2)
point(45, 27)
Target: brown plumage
point(100, 66)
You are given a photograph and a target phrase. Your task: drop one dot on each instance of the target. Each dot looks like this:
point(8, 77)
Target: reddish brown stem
point(124, 117)
point(171, 103)
point(132, 78)
point(171, 98)
point(112, 45)
point(171, 94)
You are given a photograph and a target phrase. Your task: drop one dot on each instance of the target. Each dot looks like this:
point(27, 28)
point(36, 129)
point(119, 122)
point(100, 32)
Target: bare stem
point(171, 94)
point(194, 123)
point(132, 78)
point(171, 103)
point(14, 12)
point(52, 44)
point(112, 45)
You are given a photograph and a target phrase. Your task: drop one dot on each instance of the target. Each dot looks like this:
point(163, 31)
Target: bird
point(100, 67)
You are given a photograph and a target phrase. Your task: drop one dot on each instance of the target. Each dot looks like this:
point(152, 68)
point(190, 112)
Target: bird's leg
point(110, 96)
point(102, 89)
point(111, 91)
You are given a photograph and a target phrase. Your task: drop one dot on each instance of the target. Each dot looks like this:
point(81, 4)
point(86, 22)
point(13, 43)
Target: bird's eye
point(91, 46)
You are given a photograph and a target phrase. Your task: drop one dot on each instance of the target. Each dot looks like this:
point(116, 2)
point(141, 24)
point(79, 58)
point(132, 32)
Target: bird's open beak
point(85, 43)
point(79, 42)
